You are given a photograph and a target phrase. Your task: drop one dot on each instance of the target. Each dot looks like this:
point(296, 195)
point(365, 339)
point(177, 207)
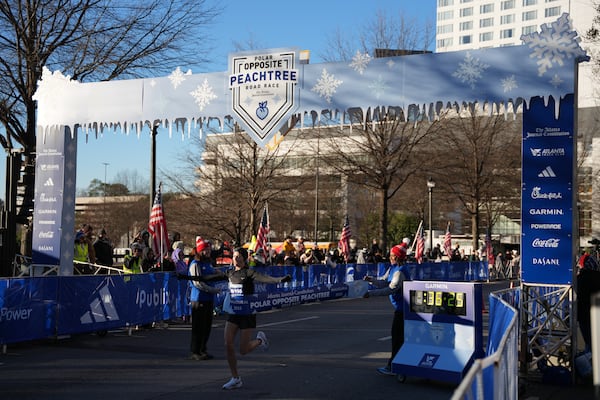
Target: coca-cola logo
point(545, 243)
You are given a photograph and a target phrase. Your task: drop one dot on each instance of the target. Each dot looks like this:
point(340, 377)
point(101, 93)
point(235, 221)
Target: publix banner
point(547, 211)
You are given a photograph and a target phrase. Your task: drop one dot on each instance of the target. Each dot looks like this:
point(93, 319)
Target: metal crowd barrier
point(496, 376)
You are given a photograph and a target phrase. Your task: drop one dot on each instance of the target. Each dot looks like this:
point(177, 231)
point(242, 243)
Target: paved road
point(320, 350)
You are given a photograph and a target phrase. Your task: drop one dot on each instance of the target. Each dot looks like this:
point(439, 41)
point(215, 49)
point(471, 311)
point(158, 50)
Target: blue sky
point(304, 24)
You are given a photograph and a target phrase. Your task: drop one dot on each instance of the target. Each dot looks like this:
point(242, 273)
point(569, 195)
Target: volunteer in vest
point(202, 298)
point(390, 285)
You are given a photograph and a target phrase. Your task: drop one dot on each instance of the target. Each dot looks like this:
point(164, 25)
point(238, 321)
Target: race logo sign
point(264, 90)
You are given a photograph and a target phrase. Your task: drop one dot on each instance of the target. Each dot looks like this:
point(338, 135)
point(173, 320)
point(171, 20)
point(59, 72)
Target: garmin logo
point(436, 286)
point(48, 211)
point(537, 194)
point(545, 243)
point(546, 211)
point(546, 261)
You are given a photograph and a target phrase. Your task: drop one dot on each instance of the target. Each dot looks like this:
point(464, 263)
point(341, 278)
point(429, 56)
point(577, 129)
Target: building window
point(552, 12)
point(444, 15)
point(507, 4)
point(529, 15)
point(466, 12)
point(465, 1)
point(529, 29)
point(486, 36)
point(444, 29)
point(465, 39)
point(486, 22)
point(445, 3)
point(441, 43)
point(506, 33)
point(486, 8)
point(507, 19)
point(466, 26)
point(550, 1)
point(529, 2)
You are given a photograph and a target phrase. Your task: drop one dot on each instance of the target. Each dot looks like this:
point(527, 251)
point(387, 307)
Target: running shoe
point(385, 370)
point(234, 383)
point(264, 342)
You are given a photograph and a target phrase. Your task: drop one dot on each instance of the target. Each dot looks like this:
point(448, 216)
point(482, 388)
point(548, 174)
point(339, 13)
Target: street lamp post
point(430, 186)
point(104, 199)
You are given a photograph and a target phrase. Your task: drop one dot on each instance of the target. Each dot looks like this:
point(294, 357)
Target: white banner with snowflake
point(542, 66)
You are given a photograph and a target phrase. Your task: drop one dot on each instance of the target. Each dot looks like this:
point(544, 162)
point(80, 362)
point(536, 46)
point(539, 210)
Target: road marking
point(288, 321)
point(383, 339)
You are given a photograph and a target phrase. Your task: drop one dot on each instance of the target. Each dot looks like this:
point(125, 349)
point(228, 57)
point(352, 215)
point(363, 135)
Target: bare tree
point(381, 154)
point(88, 40)
point(384, 31)
point(233, 178)
point(482, 155)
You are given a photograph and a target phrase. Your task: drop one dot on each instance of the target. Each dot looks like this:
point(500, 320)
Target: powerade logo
point(19, 314)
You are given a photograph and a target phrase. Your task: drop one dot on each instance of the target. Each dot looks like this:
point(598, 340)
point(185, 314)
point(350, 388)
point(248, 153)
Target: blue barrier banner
point(27, 308)
point(41, 307)
point(92, 303)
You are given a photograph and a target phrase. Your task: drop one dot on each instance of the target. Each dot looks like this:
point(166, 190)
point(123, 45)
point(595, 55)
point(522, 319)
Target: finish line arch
point(543, 81)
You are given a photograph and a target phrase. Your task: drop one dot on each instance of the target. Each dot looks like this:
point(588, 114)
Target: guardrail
point(496, 376)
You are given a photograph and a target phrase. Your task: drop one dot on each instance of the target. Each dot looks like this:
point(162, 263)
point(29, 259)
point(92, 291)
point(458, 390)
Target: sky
point(304, 24)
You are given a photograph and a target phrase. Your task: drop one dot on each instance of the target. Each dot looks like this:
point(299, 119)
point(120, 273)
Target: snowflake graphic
point(555, 43)
point(378, 86)
point(359, 62)
point(177, 77)
point(470, 70)
point(203, 95)
point(326, 85)
point(391, 64)
point(556, 81)
point(509, 83)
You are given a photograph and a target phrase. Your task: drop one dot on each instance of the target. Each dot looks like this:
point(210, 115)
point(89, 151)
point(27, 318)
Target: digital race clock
point(443, 330)
point(438, 302)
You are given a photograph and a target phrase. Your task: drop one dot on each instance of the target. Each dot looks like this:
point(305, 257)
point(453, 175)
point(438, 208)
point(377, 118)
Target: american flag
point(344, 243)
point(263, 231)
point(420, 250)
point(157, 227)
point(489, 249)
point(448, 242)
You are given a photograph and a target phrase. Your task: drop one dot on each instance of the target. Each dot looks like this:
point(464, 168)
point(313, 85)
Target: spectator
point(588, 283)
point(103, 249)
point(456, 253)
point(299, 245)
point(436, 253)
point(132, 263)
point(376, 252)
point(81, 254)
point(240, 317)
point(178, 258)
point(88, 231)
point(308, 257)
point(391, 285)
point(148, 260)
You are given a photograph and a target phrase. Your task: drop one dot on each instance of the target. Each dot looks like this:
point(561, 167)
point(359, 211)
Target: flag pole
point(414, 242)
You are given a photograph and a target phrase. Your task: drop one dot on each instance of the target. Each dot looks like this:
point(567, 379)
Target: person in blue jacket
point(202, 282)
point(391, 285)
